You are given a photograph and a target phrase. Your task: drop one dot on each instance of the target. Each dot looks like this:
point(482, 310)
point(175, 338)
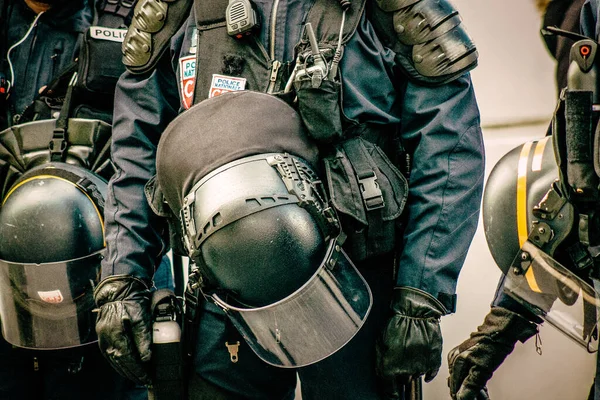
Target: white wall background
point(515, 77)
point(514, 83)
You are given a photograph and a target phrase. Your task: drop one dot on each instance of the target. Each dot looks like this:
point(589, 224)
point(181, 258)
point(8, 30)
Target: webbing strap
point(58, 143)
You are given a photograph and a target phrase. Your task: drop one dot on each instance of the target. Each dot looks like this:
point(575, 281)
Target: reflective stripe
point(538, 155)
point(522, 209)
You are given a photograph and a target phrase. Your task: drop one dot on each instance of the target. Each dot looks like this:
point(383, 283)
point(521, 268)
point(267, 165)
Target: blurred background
point(515, 88)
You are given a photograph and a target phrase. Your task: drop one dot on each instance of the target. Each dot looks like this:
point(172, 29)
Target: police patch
point(187, 80)
point(112, 34)
point(222, 84)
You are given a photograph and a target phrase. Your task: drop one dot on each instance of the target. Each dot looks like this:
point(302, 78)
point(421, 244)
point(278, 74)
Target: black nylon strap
point(58, 143)
point(581, 175)
point(579, 125)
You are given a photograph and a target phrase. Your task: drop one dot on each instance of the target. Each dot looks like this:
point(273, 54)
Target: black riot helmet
point(52, 230)
point(516, 184)
point(530, 228)
point(240, 172)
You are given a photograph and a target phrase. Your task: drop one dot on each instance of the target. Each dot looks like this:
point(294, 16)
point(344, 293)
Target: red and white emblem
point(51, 296)
point(187, 80)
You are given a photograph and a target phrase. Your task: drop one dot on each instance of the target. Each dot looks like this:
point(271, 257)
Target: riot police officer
point(527, 297)
point(40, 42)
point(395, 97)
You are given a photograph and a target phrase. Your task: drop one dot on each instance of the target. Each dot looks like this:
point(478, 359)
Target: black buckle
point(57, 144)
point(370, 192)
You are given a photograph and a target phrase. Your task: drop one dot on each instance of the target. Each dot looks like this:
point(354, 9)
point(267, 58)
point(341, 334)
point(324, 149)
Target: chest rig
point(366, 188)
point(247, 58)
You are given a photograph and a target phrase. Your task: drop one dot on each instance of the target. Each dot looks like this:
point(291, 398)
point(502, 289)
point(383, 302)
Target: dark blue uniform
point(441, 127)
point(50, 46)
point(39, 53)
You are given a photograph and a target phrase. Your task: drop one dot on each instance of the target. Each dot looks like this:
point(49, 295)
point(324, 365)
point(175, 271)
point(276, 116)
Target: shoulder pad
point(429, 39)
point(154, 23)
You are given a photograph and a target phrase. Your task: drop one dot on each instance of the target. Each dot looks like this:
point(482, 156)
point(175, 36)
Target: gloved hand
point(473, 362)
point(124, 326)
point(411, 343)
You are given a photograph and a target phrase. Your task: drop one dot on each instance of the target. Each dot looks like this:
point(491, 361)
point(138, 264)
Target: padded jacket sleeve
point(144, 105)
point(441, 127)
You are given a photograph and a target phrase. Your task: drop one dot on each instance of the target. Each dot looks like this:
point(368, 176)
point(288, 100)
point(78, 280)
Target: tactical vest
point(366, 185)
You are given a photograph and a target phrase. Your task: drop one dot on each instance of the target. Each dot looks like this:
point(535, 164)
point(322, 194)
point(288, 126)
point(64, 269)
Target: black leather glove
point(473, 362)
point(124, 325)
point(411, 343)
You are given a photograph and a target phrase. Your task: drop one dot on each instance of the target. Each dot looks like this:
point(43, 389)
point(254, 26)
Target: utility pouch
point(159, 206)
point(369, 193)
point(86, 111)
point(100, 63)
point(319, 108)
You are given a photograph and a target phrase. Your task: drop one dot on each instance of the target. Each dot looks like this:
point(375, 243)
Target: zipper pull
point(273, 76)
point(538, 343)
point(233, 351)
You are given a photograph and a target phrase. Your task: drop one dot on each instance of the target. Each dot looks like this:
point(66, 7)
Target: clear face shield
point(49, 305)
point(313, 322)
point(555, 294)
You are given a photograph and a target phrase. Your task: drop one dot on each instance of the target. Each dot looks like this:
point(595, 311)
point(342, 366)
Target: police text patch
point(112, 34)
point(222, 84)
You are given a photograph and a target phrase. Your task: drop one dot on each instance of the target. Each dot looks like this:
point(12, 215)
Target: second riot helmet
point(241, 173)
point(52, 231)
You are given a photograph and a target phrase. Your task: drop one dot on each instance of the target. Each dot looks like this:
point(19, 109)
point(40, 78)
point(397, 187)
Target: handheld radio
point(241, 18)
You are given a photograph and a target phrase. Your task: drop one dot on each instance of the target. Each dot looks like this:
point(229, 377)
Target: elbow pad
point(428, 37)
point(154, 23)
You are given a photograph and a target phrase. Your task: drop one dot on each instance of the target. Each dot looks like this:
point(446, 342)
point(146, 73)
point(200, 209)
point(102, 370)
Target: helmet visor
point(313, 322)
point(555, 294)
point(49, 305)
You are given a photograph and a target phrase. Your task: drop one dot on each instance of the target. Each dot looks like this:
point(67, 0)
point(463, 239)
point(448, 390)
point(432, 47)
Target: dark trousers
point(71, 374)
point(348, 374)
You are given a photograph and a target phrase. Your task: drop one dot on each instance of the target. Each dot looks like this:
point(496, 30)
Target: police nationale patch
point(187, 80)
point(222, 84)
point(112, 34)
